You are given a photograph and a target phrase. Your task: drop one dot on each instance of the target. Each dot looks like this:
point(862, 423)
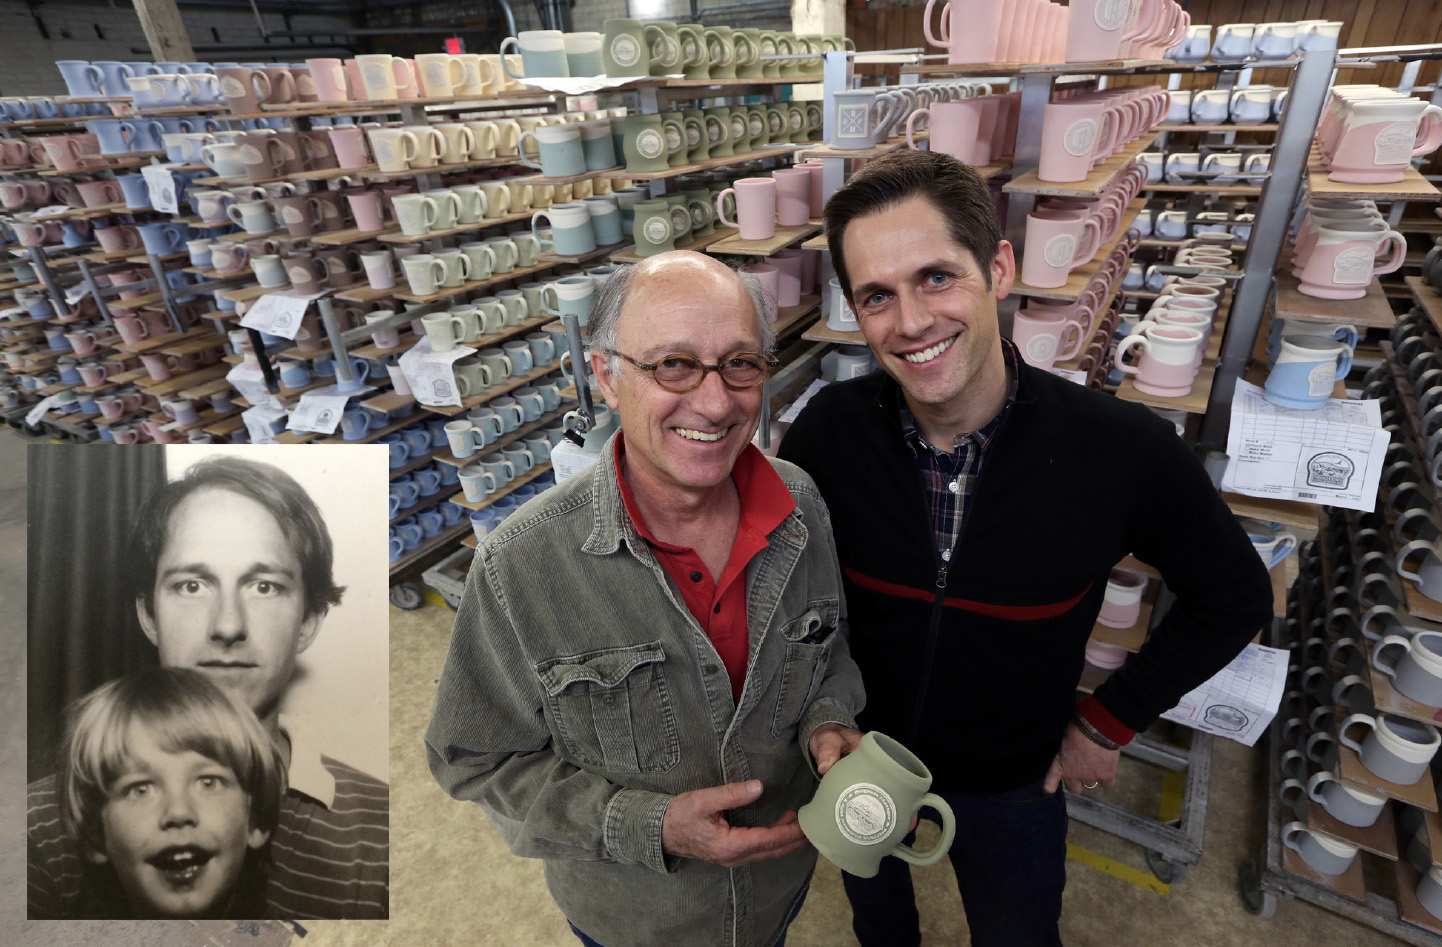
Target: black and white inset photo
point(208, 682)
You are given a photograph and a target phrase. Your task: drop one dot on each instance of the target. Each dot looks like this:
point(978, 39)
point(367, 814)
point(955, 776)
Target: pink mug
point(1039, 334)
point(1167, 362)
point(1075, 135)
point(793, 196)
point(755, 208)
point(329, 79)
point(1056, 242)
point(350, 148)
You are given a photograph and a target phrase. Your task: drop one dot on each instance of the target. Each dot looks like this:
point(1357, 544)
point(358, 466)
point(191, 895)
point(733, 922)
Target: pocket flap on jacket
point(606, 668)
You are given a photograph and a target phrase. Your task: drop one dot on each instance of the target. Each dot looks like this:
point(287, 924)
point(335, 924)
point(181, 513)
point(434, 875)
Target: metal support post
point(587, 415)
point(163, 285)
point(1035, 93)
point(344, 373)
point(42, 269)
point(1269, 232)
point(95, 293)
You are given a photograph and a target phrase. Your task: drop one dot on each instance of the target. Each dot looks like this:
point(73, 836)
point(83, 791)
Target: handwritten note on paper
point(1331, 455)
point(1240, 700)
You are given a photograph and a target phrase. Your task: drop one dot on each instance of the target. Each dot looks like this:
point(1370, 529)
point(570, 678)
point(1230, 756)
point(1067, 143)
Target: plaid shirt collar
point(911, 430)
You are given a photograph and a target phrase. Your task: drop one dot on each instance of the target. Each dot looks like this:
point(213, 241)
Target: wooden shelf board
point(1349, 883)
point(1379, 838)
point(891, 145)
point(181, 382)
point(1412, 187)
point(428, 546)
point(364, 293)
point(1079, 278)
point(596, 254)
point(1287, 512)
point(395, 236)
point(519, 272)
point(1371, 310)
point(1427, 298)
point(444, 492)
point(721, 232)
point(1350, 770)
point(1432, 829)
point(1187, 127)
point(1418, 604)
point(473, 505)
point(496, 390)
point(1409, 908)
point(783, 238)
point(707, 164)
point(341, 238)
point(788, 317)
point(1092, 185)
point(1388, 699)
point(444, 455)
point(822, 333)
point(1130, 638)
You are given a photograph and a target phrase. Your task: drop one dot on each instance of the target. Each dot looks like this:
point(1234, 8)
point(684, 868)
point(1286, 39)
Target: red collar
point(765, 501)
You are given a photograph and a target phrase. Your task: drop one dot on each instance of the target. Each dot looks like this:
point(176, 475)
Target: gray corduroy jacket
point(579, 695)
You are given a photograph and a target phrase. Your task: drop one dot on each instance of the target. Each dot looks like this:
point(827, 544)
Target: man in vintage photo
point(230, 571)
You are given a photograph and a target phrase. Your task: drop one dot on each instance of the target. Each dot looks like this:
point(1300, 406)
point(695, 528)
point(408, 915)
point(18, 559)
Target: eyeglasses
point(678, 373)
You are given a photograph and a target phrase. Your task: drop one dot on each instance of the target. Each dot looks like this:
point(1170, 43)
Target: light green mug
point(721, 48)
point(665, 50)
point(626, 47)
point(645, 142)
point(862, 810)
point(748, 53)
point(680, 220)
point(695, 60)
point(676, 142)
point(718, 131)
point(698, 145)
point(652, 227)
point(700, 201)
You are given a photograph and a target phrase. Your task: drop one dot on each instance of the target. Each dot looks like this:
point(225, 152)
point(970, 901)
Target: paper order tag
point(163, 192)
point(14, 312)
point(1071, 374)
point(431, 374)
point(51, 210)
point(317, 413)
point(37, 412)
point(278, 313)
point(259, 421)
point(76, 292)
point(568, 459)
point(248, 380)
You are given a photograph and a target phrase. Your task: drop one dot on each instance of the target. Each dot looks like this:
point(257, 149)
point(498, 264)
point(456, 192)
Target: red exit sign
point(455, 45)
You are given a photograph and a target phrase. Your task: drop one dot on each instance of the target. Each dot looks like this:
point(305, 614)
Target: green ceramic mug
point(680, 219)
point(862, 810)
point(676, 142)
point(718, 131)
point(748, 53)
point(721, 48)
point(796, 122)
point(644, 142)
point(698, 145)
point(626, 47)
point(785, 46)
point(652, 227)
point(700, 201)
point(777, 128)
point(695, 61)
point(665, 50)
point(758, 126)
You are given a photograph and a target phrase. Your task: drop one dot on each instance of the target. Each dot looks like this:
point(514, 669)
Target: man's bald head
point(675, 275)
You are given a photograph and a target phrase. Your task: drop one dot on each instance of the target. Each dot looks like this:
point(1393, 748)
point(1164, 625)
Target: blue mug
point(1305, 371)
point(400, 454)
point(432, 522)
point(295, 374)
point(137, 192)
point(437, 427)
point(162, 239)
point(452, 513)
point(355, 423)
point(417, 438)
point(450, 474)
point(112, 77)
point(410, 532)
point(83, 80)
point(362, 370)
point(397, 545)
point(482, 521)
point(429, 481)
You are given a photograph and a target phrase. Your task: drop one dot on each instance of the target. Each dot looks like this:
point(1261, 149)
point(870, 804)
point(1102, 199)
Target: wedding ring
point(1090, 785)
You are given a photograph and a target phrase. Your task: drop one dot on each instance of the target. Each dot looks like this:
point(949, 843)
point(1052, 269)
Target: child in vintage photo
point(171, 790)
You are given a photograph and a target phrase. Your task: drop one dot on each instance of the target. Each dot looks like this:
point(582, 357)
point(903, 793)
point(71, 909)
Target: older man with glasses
point(649, 667)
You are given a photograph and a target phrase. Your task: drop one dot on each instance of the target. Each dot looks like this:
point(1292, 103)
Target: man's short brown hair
point(953, 188)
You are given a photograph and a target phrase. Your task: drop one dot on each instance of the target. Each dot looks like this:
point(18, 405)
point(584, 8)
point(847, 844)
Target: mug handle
point(521, 149)
point(926, 24)
point(720, 211)
point(1129, 342)
point(1347, 724)
point(401, 73)
point(1429, 131)
point(1405, 553)
point(1399, 250)
point(911, 119)
point(1389, 669)
point(536, 233)
point(506, 66)
point(948, 832)
point(1314, 786)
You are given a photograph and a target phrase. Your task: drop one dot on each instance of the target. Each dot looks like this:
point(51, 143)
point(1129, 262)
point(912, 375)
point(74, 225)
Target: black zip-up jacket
point(979, 677)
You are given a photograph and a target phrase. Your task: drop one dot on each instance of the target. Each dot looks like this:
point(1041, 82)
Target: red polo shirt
point(719, 606)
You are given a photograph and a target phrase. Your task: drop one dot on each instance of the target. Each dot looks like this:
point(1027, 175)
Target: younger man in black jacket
point(978, 505)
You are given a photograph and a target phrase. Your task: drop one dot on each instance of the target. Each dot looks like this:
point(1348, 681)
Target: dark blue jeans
point(588, 942)
point(1010, 861)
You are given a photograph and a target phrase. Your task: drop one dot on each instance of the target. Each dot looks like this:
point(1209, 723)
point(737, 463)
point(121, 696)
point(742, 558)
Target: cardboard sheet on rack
point(318, 413)
point(1240, 700)
point(1331, 455)
point(579, 85)
point(163, 192)
point(279, 313)
point(431, 374)
point(248, 380)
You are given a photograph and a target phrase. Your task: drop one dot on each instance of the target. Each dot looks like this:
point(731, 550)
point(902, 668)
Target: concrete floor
point(453, 882)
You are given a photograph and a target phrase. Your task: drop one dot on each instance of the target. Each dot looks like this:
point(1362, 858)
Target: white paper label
point(1394, 143)
point(865, 813)
point(76, 292)
point(317, 413)
point(1059, 250)
point(36, 413)
point(258, 421)
point(278, 313)
point(1071, 374)
point(431, 374)
point(163, 192)
point(1080, 138)
point(1353, 267)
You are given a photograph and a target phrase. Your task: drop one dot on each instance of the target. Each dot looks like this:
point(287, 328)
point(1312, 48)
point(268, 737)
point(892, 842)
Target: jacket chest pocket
point(807, 640)
point(611, 708)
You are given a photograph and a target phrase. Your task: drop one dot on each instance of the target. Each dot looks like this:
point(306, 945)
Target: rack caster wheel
point(1167, 872)
point(1259, 901)
point(406, 596)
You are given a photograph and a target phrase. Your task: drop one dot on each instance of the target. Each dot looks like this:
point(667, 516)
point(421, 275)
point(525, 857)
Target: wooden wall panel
point(1367, 23)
